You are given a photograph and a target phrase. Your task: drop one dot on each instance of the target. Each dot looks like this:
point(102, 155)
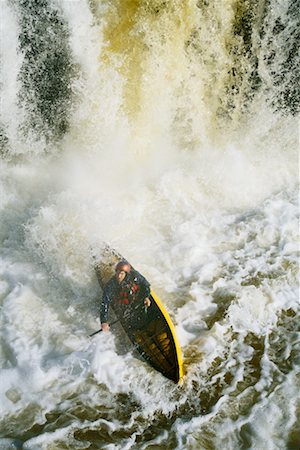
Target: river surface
point(168, 130)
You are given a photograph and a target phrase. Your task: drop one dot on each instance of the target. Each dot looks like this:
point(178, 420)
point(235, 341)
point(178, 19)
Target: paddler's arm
point(104, 326)
point(106, 299)
point(147, 302)
point(145, 289)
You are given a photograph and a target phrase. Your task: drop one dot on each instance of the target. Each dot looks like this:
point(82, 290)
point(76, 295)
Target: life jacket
point(128, 293)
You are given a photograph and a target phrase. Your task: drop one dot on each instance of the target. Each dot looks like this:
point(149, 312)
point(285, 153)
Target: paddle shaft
point(99, 331)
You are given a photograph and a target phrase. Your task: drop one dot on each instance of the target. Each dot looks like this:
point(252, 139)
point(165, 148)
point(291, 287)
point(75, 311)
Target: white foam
point(208, 214)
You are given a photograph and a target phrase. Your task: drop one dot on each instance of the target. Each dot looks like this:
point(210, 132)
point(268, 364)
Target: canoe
point(156, 341)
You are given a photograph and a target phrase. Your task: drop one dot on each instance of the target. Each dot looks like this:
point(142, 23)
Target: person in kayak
point(129, 293)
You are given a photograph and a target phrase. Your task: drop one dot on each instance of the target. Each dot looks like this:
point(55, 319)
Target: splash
point(170, 131)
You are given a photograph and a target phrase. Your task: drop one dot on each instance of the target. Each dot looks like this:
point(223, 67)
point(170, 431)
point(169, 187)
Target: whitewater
point(168, 130)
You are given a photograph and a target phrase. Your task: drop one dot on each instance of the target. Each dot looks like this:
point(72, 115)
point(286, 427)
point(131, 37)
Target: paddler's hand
point(147, 302)
point(105, 326)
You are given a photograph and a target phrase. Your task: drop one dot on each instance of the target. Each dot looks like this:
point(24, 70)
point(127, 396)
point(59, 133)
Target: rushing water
point(168, 129)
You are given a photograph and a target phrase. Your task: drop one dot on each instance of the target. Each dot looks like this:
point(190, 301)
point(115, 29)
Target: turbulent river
point(168, 129)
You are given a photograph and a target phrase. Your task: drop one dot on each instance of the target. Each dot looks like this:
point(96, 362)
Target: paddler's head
point(122, 269)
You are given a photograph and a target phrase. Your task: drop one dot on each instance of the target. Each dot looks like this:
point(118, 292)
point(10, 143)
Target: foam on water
point(179, 158)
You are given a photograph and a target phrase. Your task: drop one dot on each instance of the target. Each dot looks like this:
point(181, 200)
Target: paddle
point(99, 331)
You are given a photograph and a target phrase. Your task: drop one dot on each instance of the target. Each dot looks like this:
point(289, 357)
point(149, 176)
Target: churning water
point(169, 130)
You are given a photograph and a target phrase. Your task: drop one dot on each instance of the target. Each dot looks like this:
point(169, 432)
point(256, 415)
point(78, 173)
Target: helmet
point(123, 265)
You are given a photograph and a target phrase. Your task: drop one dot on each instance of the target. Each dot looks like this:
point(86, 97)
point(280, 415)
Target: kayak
point(156, 340)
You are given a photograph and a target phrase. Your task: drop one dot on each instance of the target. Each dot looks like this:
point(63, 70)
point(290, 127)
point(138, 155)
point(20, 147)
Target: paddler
point(129, 293)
